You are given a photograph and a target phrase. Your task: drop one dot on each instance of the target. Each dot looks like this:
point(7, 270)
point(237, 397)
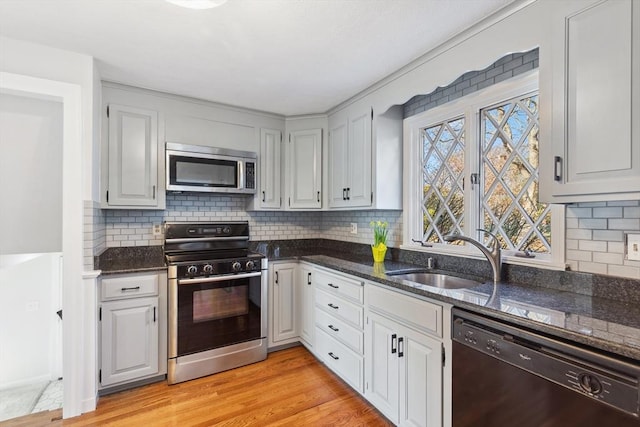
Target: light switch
point(633, 247)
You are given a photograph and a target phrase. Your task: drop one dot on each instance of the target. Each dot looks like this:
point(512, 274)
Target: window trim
point(468, 106)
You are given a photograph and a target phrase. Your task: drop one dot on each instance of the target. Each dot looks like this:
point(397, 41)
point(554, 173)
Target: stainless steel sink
point(437, 280)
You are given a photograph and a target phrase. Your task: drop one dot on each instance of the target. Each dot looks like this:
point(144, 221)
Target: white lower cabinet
point(283, 302)
point(133, 329)
point(129, 340)
point(306, 305)
point(404, 358)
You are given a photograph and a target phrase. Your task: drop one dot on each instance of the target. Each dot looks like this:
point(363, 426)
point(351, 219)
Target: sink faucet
point(493, 255)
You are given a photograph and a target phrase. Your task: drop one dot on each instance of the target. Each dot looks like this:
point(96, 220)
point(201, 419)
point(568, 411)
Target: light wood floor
point(290, 388)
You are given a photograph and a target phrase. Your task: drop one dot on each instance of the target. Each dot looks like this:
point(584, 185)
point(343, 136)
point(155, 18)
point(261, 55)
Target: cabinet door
point(420, 359)
point(338, 159)
point(129, 331)
point(595, 126)
point(359, 161)
point(307, 307)
point(133, 158)
point(283, 313)
point(305, 161)
point(270, 152)
point(382, 367)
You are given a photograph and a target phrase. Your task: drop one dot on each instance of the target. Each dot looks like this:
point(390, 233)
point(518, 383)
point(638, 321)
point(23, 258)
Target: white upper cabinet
point(305, 169)
point(350, 158)
point(270, 196)
point(590, 76)
point(365, 158)
point(133, 177)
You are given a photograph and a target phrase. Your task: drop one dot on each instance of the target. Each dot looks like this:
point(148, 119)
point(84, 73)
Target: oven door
point(215, 312)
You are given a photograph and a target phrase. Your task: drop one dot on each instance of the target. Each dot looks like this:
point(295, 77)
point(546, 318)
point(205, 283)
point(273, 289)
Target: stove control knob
point(236, 266)
point(192, 269)
point(250, 265)
point(208, 268)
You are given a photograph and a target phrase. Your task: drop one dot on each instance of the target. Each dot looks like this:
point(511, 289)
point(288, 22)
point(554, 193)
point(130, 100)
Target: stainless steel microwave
point(208, 169)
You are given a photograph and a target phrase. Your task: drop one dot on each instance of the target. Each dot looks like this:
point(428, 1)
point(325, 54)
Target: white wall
point(30, 59)
point(29, 300)
point(30, 175)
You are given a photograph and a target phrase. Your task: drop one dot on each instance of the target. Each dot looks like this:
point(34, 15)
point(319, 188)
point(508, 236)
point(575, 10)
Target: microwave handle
point(240, 174)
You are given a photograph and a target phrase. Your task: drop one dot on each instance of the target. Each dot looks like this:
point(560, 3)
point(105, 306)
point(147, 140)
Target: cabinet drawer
point(413, 312)
point(336, 328)
point(130, 286)
point(339, 285)
point(340, 308)
point(345, 363)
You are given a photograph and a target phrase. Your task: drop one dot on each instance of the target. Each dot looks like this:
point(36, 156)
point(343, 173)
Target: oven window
point(203, 172)
point(212, 304)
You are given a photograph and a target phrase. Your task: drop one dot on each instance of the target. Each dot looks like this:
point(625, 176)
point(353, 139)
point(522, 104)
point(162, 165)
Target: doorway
point(31, 149)
point(74, 360)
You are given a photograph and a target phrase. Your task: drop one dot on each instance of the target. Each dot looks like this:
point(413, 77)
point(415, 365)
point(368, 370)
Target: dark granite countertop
point(598, 322)
point(134, 259)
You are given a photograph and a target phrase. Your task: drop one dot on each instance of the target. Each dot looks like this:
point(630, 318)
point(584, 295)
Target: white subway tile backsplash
point(601, 224)
point(592, 267)
point(608, 212)
point(592, 245)
point(624, 224)
point(608, 258)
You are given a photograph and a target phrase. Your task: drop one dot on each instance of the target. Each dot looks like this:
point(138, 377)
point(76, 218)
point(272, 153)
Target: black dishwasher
point(504, 375)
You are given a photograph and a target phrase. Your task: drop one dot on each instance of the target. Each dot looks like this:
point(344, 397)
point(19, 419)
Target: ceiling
point(288, 57)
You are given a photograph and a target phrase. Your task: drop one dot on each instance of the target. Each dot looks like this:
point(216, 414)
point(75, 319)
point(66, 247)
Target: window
point(473, 164)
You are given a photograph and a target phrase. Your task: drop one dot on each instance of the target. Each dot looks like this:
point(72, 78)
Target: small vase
point(379, 252)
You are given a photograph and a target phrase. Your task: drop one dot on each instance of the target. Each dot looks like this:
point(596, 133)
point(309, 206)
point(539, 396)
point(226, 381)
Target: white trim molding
point(72, 240)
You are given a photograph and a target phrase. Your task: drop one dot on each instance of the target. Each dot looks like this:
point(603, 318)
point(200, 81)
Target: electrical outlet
point(633, 247)
point(354, 228)
point(157, 230)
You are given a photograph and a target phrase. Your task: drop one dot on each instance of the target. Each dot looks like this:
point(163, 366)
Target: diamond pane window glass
point(509, 157)
point(442, 185)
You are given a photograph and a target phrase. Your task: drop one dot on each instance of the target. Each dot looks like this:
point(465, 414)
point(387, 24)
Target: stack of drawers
point(339, 317)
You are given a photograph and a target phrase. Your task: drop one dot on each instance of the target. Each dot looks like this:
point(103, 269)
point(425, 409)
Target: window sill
point(473, 253)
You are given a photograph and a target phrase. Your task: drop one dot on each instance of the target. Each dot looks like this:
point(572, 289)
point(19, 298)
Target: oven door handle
point(207, 239)
point(218, 278)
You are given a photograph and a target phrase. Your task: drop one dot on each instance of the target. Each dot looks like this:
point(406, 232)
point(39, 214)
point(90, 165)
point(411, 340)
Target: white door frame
point(72, 226)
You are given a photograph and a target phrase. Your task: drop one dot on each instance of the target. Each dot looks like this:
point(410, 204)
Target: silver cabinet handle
point(318, 196)
point(400, 347)
point(333, 286)
point(308, 278)
point(154, 192)
point(335, 307)
point(394, 343)
point(276, 277)
point(333, 356)
point(264, 196)
point(135, 288)
point(333, 328)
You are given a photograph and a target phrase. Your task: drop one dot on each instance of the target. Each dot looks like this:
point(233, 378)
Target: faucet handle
point(496, 242)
